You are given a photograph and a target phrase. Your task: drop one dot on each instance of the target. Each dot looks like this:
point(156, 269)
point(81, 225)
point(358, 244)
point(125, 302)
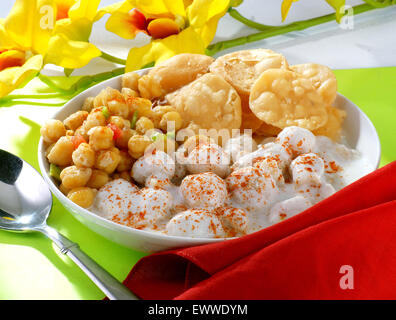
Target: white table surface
point(371, 43)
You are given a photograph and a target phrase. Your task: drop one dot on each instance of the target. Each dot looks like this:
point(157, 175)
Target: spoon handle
point(113, 289)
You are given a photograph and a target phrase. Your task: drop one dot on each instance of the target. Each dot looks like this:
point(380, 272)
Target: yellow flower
point(37, 32)
point(69, 46)
point(175, 26)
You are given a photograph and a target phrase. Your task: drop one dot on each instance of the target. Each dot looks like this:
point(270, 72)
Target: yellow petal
point(159, 7)
point(126, 23)
point(78, 30)
point(337, 6)
point(30, 24)
point(5, 40)
point(69, 53)
point(81, 15)
point(16, 77)
point(285, 7)
point(159, 50)
point(119, 6)
point(204, 16)
point(84, 9)
point(201, 11)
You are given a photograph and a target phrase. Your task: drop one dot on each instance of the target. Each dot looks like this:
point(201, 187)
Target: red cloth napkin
point(347, 240)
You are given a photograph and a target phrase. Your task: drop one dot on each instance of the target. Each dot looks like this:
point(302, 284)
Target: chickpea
point(118, 108)
point(61, 153)
point(63, 189)
point(108, 160)
point(104, 96)
point(101, 138)
point(75, 120)
point(74, 177)
point(159, 111)
point(84, 156)
point(82, 132)
point(137, 144)
point(94, 119)
point(88, 104)
point(129, 93)
point(171, 121)
point(114, 100)
point(144, 124)
point(52, 130)
point(125, 162)
point(122, 140)
point(48, 150)
point(82, 196)
point(120, 122)
point(98, 179)
point(130, 80)
point(143, 106)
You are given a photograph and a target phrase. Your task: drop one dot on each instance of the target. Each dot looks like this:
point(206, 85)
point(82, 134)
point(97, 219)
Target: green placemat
point(32, 268)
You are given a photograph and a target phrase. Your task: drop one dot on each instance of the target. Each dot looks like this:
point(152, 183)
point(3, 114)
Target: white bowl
point(359, 131)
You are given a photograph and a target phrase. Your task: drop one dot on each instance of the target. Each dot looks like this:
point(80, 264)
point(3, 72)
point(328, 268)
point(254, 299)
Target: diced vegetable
point(134, 119)
point(157, 136)
point(105, 112)
point(117, 132)
point(55, 171)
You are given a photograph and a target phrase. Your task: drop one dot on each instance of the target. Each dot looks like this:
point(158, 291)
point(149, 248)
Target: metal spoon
point(25, 203)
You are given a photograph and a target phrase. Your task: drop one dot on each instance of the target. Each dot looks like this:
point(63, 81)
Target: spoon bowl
point(25, 204)
point(25, 200)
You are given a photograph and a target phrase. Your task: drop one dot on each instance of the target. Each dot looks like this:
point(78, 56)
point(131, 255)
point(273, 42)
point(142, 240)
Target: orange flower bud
point(162, 27)
point(11, 58)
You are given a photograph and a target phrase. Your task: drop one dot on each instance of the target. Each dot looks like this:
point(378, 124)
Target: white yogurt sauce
point(278, 179)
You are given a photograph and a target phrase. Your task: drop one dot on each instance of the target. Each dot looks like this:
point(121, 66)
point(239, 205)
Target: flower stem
point(111, 58)
point(47, 80)
point(380, 4)
point(33, 96)
point(269, 31)
point(252, 24)
point(11, 103)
